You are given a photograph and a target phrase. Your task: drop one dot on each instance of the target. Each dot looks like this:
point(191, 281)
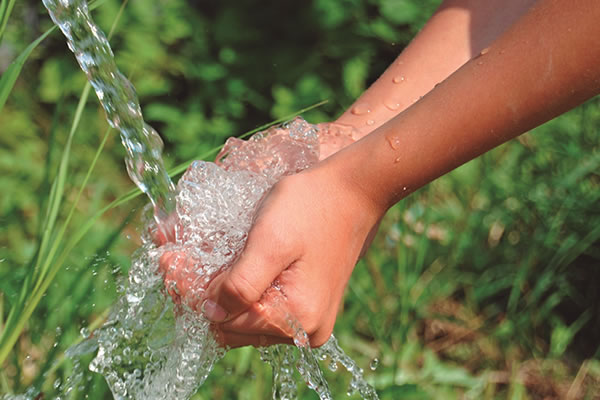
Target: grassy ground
point(481, 285)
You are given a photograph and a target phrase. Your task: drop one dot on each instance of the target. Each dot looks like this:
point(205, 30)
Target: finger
point(266, 254)
point(238, 339)
point(180, 277)
point(234, 340)
point(167, 230)
point(264, 317)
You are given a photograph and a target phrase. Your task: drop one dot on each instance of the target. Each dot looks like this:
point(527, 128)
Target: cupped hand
point(307, 237)
point(308, 234)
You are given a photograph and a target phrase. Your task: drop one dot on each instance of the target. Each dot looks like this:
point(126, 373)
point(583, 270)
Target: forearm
point(458, 30)
point(545, 64)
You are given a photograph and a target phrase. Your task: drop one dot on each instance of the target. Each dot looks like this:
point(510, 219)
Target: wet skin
point(540, 62)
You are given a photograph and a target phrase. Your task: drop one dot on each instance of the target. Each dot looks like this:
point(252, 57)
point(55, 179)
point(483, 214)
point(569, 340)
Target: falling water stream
point(154, 344)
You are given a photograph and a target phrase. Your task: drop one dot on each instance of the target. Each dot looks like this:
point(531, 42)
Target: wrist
point(349, 170)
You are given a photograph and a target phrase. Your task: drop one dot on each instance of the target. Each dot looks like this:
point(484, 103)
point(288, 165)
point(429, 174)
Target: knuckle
point(318, 324)
point(319, 339)
point(311, 321)
point(238, 287)
point(322, 335)
point(165, 262)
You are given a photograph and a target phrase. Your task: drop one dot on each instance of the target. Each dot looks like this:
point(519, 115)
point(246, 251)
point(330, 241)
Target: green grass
point(481, 285)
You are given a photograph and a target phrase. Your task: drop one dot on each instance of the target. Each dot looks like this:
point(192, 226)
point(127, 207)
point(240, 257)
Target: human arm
point(457, 31)
point(546, 64)
point(542, 66)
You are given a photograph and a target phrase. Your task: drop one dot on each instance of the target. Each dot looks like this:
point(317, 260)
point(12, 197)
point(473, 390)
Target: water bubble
point(398, 79)
point(374, 364)
point(84, 332)
point(370, 122)
point(484, 51)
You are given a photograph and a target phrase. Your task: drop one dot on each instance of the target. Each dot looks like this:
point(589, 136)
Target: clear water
point(154, 345)
point(119, 99)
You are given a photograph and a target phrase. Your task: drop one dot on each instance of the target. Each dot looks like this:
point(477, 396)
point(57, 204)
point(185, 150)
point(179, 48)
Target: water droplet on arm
point(392, 105)
point(398, 79)
point(394, 142)
point(361, 109)
point(482, 53)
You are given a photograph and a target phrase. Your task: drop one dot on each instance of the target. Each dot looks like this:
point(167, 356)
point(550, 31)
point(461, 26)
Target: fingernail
point(213, 312)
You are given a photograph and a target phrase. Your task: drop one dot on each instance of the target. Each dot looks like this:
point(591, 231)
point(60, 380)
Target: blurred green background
point(484, 284)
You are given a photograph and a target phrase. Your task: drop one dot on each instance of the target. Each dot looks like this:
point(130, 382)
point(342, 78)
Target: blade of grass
point(9, 77)
point(6, 8)
point(183, 166)
point(135, 192)
point(20, 312)
point(63, 168)
point(56, 201)
point(44, 190)
point(17, 316)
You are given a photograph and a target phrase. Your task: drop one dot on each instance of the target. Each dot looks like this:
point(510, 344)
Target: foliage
point(481, 285)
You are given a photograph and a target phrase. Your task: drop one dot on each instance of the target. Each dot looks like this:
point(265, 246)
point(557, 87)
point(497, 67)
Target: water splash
point(157, 346)
point(119, 99)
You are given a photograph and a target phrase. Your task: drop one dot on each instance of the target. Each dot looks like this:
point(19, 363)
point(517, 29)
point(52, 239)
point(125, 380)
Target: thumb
point(237, 288)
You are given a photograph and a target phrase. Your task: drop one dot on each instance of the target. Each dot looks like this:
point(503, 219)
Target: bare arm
point(312, 227)
point(457, 31)
point(545, 64)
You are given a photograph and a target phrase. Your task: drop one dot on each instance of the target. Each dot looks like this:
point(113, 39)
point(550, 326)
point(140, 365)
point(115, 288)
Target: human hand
point(308, 234)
